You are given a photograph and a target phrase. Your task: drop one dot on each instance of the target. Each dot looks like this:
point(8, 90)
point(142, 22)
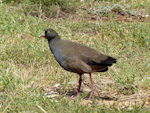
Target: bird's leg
point(91, 86)
point(78, 93)
point(80, 81)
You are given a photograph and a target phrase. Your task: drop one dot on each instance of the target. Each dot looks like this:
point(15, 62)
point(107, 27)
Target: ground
point(32, 81)
point(109, 97)
point(102, 94)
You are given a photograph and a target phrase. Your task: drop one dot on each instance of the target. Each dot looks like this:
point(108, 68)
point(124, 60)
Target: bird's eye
point(48, 31)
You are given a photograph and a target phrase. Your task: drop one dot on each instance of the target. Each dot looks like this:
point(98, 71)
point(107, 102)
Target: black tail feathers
point(109, 61)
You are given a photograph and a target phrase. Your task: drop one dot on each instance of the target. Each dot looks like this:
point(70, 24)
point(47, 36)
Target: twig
point(58, 10)
point(41, 108)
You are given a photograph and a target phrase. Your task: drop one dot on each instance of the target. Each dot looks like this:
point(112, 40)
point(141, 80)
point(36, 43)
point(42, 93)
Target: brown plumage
point(77, 58)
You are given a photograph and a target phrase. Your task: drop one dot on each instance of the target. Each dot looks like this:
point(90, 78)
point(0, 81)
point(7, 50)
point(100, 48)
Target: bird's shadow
point(73, 93)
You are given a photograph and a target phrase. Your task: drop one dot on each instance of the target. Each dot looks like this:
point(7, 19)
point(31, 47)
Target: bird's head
point(49, 34)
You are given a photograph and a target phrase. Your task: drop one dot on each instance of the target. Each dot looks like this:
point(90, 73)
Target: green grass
point(28, 69)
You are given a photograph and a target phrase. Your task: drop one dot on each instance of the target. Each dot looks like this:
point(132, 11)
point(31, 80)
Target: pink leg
point(91, 86)
point(80, 80)
point(91, 81)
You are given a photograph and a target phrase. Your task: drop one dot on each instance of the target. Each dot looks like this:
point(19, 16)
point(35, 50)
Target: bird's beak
point(42, 36)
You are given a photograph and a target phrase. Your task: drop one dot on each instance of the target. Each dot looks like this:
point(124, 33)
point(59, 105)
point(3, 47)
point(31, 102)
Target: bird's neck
point(53, 43)
point(56, 37)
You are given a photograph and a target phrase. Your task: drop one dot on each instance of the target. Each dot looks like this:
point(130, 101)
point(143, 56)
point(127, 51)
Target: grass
point(28, 70)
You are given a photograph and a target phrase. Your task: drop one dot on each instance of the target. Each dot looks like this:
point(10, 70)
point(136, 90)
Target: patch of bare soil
point(103, 95)
point(118, 15)
point(87, 13)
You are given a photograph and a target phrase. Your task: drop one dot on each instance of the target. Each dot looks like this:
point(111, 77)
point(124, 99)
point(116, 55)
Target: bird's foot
point(72, 97)
point(91, 93)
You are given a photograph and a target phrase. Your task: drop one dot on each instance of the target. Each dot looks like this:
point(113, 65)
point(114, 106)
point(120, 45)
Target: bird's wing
point(82, 59)
point(94, 57)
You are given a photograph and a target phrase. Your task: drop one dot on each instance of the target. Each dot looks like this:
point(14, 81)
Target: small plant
point(127, 89)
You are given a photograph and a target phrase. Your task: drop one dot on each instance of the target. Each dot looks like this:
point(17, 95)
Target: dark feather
point(108, 62)
point(98, 68)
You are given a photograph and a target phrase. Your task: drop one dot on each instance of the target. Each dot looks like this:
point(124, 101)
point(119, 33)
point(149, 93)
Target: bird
point(77, 58)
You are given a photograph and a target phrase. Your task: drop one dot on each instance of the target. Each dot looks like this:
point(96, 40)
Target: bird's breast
point(58, 56)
